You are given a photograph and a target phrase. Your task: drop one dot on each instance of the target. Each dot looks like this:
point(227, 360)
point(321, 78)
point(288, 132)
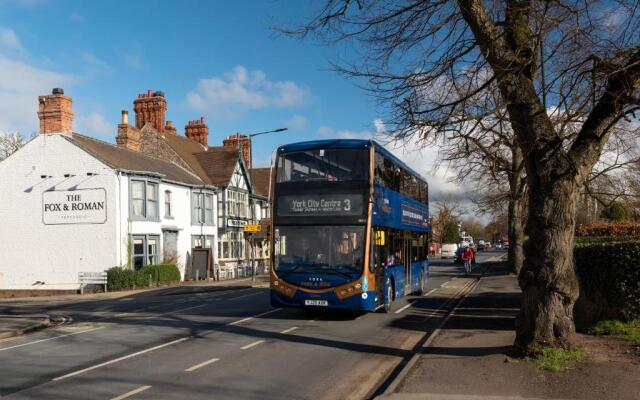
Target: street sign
point(253, 228)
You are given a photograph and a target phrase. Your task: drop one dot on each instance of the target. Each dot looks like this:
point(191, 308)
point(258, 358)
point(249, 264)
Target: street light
point(253, 217)
point(250, 135)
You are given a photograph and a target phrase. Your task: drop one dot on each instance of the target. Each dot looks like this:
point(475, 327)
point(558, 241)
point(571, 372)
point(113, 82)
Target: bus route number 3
point(347, 205)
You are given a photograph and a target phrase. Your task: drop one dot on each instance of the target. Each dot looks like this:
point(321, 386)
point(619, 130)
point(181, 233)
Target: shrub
point(609, 278)
point(609, 229)
point(161, 273)
point(119, 278)
point(617, 212)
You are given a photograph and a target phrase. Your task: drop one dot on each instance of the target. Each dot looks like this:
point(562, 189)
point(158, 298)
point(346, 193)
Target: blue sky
point(217, 59)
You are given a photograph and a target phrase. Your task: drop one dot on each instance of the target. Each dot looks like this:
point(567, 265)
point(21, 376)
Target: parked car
point(458, 259)
point(505, 244)
point(449, 250)
point(481, 245)
point(497, 245)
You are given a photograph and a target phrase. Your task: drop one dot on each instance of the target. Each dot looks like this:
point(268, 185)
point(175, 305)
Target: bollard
point(149, 280)
point(197, 275)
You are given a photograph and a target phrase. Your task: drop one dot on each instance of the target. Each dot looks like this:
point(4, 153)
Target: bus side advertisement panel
point(395, 210)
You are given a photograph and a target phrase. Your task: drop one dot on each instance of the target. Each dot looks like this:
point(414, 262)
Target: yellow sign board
point(379, 238)
point(253, 228)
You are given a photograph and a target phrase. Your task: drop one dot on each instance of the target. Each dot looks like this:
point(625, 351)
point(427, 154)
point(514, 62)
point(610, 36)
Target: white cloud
point(380, 127)
point(20, 86)
point(95, 66)
point(241, 90)
point(95, 124)
point(9, 40)
point(297, 122)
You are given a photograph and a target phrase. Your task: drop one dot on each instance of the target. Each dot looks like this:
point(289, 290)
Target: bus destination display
point(320, 205)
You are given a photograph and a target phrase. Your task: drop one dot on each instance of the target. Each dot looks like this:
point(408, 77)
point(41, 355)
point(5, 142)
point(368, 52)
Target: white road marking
point(403, 308)
point(252, 345)
point(104, 364)
point(255, 316)
point(177, 311)
point(444, 284)
point(293, 328)
point(203, 364)
point(430, 291)
point(131, 393)
point(51, 338)
point(246, 295)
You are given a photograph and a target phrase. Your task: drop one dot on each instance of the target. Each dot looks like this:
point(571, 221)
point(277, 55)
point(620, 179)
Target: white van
point(449, 250)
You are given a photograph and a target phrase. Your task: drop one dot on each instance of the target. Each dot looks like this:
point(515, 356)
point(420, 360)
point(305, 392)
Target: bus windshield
point(323, 165)
point(335, 250)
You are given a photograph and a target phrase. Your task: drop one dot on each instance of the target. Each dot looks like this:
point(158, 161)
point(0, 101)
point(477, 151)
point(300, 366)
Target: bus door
point(380, 252)
point(407, 257)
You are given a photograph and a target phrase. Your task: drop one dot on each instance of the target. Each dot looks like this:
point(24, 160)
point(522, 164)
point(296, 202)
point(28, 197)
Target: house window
point(242, 204)
point(208, 209)
point(167, 204)
point(202, 208)
point(144, 200)
point(137, 199)
point(203, 241)
point(145, 250)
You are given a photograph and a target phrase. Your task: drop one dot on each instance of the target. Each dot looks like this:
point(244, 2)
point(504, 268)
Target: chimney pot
point(55, 112)
point(125, 117)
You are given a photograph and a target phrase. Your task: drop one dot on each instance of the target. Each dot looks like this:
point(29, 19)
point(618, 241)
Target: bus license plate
point(323, 303)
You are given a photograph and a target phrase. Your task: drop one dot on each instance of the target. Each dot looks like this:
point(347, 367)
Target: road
point(188, 344)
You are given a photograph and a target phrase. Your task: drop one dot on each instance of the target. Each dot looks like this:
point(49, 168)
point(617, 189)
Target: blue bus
point(349, 226)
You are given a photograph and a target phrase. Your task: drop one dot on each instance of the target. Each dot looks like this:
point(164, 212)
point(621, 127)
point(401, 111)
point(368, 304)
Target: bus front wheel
point(389, 297)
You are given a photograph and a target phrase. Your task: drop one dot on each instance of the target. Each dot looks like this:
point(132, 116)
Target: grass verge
point(626, 330)
point(556, 360)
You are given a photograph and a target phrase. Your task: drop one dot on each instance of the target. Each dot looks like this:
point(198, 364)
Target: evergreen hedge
point(607, 269)
point(119, 278)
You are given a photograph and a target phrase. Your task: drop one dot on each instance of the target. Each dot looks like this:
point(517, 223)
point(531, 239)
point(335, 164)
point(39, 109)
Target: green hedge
point(119, 278)
point(609, 275)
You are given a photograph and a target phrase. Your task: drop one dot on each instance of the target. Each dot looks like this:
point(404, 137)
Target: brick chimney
point(239, 141)
point(55, 112)
point(150, 108)
point(169, 129)
point(128, 136)
point(198, 131)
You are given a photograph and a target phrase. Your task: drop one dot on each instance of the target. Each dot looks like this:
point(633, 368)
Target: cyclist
point(467, 257)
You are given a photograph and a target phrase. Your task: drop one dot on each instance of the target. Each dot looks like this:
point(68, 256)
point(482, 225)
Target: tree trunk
point(548, 282)
point(515, 223)
point(516, 236)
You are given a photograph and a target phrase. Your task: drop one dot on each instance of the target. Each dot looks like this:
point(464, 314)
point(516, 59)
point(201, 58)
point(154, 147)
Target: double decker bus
point(349, 228)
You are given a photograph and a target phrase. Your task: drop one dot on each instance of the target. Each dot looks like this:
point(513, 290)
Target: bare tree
point(433, 62)
point(10, 143)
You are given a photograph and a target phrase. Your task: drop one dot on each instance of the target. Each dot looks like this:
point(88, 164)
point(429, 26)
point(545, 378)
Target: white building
point(70, 203)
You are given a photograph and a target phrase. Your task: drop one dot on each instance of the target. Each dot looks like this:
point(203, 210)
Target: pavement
point(465, 358)
point(225, 342)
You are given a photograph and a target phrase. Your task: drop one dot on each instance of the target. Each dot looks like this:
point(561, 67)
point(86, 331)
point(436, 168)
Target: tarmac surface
point(204, 342)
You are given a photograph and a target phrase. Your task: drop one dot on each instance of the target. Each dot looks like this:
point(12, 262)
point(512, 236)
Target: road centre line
point(115, 360)
point(254, 316)
point(202, 364)
point(250, 345)
point(246, 295)
point(403, 308)
point(51, 338)
point(293, 328)
point(131, 393)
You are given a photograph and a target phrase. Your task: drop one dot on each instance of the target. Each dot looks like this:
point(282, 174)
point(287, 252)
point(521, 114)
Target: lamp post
point(252, 242)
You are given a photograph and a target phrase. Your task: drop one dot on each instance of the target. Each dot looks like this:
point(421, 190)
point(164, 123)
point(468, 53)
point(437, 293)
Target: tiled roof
point(119, 158)
point(187, 150)
point(218, 163)
point(260, 181)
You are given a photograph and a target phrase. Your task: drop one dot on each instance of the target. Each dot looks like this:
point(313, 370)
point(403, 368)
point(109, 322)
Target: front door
point(170, 247)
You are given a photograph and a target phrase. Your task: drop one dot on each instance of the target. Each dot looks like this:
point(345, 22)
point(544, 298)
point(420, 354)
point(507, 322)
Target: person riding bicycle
point(467, 257)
